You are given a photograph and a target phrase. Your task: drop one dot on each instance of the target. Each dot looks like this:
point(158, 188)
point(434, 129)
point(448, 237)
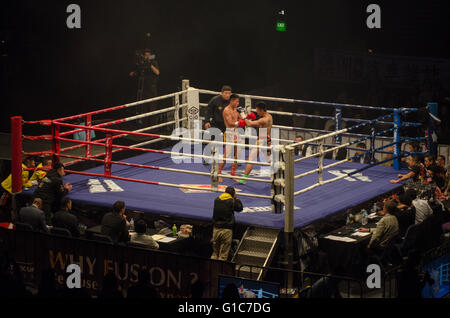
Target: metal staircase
point(257, 247)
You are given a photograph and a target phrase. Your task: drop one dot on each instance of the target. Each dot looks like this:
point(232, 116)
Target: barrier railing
point(304, 280)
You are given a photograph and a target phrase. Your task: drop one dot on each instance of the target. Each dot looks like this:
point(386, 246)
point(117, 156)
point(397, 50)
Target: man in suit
point(115, 223)
point(140, 237)
point(34, 216)
point(66, 219)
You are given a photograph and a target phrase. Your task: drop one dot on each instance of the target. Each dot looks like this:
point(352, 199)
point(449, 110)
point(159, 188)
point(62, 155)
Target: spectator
point(339, 154)
point(440, 162)
point(115, 223)
point(230, 292)
point(66, 219)
point(434, 172)
point(388, 156)
point(417, 171)
point(387, 228)
point(143, 289)
point(110, 287)
point(51, 191)
point(364, 156)
point(141, 237)
point(41, 169)
point(413, 147)
point(223, 220)
point(423, 209)
point(34, 216)
point(6, 186)
point(405, 213)
point(302, 150)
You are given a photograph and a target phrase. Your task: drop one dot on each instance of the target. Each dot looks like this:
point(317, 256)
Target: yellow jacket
point(38, 174)
point(7, 183)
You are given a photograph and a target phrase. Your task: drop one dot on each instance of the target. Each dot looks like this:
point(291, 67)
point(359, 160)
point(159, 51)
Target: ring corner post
point(16, 162)
point(431, 129)
point(88, 135)
point(372, 143)
point(108, 155)
point(397, 139)
point(338, 123)
point(184, 86)
point(289, 215)
point(193, 108)
point(56, 143)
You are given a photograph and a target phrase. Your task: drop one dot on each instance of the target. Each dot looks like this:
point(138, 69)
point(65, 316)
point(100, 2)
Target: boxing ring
point(299, 191)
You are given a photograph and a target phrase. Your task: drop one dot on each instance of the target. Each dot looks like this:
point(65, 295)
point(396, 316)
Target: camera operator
point(147, 71)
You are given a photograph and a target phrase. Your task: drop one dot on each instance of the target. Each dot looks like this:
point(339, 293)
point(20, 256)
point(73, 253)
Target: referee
point(213, 115)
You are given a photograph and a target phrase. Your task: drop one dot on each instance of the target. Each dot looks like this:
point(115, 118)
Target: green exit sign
point(281, 26)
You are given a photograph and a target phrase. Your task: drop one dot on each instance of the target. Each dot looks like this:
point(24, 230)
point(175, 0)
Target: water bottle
point(132, 225)
point(174, 230)
point(364, 218)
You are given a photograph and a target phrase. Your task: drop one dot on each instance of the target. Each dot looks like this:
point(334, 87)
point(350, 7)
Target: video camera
point(142, 60)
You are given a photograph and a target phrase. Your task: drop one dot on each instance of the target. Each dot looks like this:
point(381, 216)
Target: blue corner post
point(372, 143)
point(397, 139)
point(432, 144)
point(338, 124)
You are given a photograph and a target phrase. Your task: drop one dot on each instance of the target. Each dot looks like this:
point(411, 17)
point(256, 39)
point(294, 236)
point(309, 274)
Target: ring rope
point(164, 184)
point(165, 168)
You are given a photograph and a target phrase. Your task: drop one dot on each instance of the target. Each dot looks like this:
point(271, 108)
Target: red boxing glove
point(251, 116)
point(242, 123)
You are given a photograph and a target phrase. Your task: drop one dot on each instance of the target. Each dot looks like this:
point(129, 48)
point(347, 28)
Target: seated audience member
point(405, 213)
point(388, 156)
point(6, 185)
point(387, 228)
point(339, 154)
point(423, 209)
point(140, 237)
point(143, 289)
point(28, 163)
point(41, 169)
point(414, 146)
point(434, 172)
point(447, 182)
point(34, 216)
point(302, 150)
point(66, 219)
point(365, 156)
point(115, 223)
point(440, 162)
point(416, 173)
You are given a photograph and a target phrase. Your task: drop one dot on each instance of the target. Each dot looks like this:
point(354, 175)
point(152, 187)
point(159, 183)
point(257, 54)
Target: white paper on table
point(158, 237)
point(362, 234)
point(340, 238)
point(167, 239)
point(113, 187)
point(97, 189)
point(372, 215)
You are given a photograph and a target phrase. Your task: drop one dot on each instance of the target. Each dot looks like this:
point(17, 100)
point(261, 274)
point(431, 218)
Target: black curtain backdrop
point(49, 71)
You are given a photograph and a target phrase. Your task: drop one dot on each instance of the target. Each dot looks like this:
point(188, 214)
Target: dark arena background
point(321, 67)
